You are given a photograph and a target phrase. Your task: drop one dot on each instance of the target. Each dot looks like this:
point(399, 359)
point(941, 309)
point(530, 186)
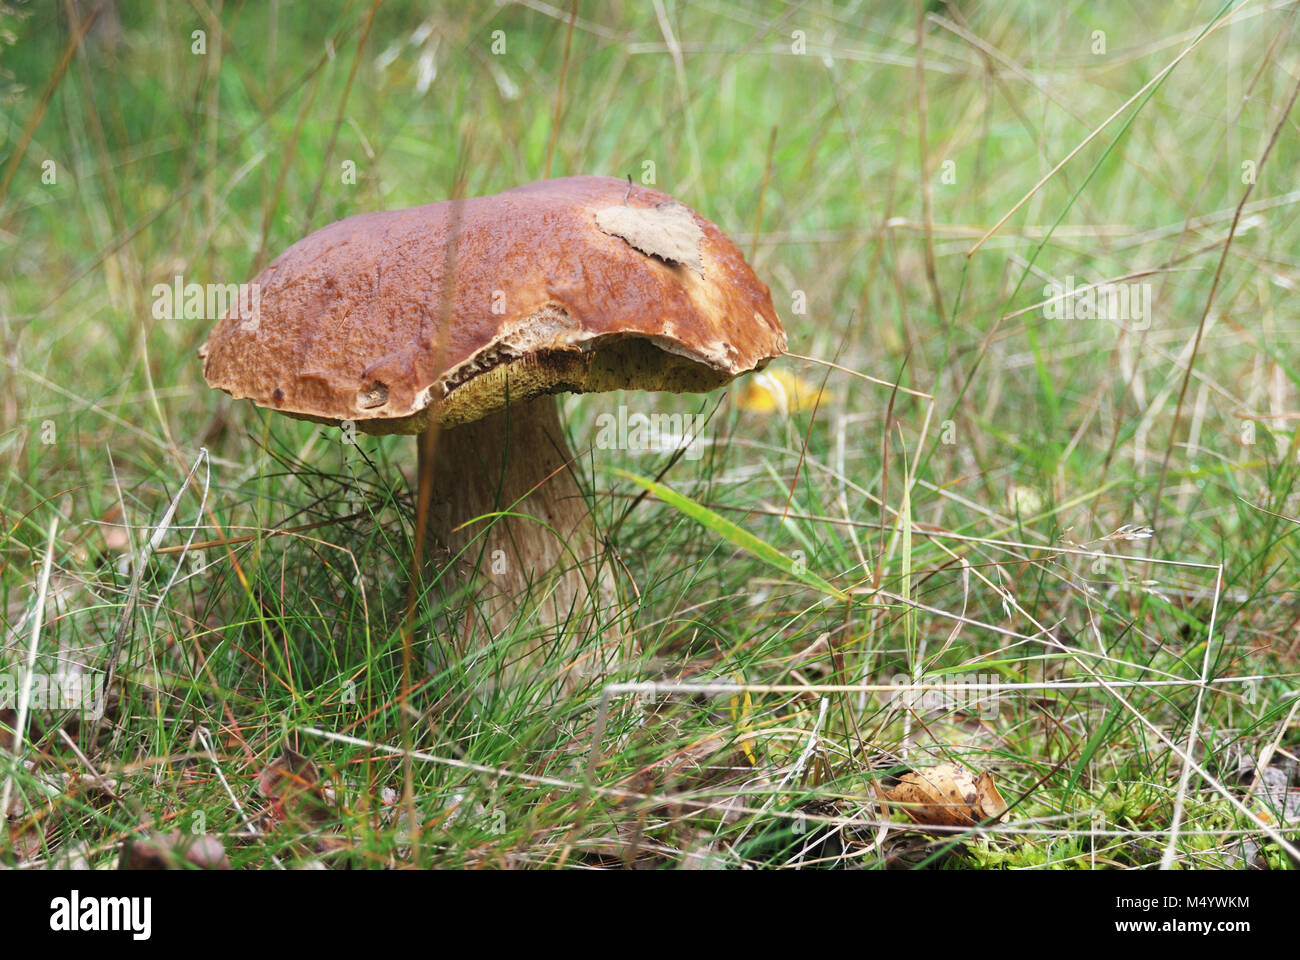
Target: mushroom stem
point(538, 571)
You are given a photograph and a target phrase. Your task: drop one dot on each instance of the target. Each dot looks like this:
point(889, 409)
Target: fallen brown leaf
point(292, 783)
point(945, 795)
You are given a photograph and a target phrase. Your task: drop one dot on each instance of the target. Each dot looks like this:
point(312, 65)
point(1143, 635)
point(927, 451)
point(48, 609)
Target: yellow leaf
point(742, 708)
point(776, 391)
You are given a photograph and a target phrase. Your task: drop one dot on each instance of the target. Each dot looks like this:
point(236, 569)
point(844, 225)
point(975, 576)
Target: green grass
point(883, 534)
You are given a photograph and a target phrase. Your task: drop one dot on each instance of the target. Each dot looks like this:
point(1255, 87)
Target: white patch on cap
point(667, 231)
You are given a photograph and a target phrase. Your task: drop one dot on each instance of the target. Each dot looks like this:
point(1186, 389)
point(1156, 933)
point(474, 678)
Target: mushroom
point(460, 320)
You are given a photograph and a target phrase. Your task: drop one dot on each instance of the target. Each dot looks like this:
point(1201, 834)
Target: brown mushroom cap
point(357, 322)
